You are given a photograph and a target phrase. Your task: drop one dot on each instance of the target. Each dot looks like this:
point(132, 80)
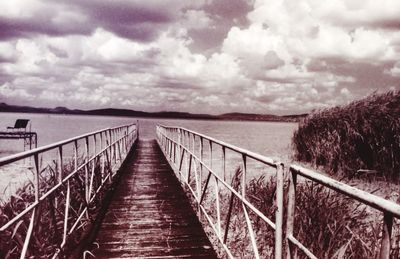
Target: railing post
point(75, 155)
point(87, 169)
point(137, 129)
point(386, 236)
point(83, 159)
point(291, 207)
point(218, 208)
point(223, 163)
point(60, 161)
point(211, 163)
point(95, 144)
point(244, 172)
point(201, 165)
point(279, 210)
point(193, 144)
point(37, 177)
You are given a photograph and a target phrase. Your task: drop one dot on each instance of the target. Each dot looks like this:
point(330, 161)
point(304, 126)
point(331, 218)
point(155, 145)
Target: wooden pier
point(142, 211)
point(149, 215)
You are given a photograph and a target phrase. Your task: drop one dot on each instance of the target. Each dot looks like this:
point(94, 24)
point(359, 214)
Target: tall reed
point(48, 228)
point(329, 224)
point(364, 134)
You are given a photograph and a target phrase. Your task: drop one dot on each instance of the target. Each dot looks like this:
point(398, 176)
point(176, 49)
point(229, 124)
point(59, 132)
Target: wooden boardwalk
point(149, 215)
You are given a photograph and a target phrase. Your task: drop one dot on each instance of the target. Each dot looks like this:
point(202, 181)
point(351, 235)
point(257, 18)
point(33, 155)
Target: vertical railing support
point(291, 207)
point(48, 191)
point(60, 164)
point(37, 177)
point(279, 210)
point(386, 236)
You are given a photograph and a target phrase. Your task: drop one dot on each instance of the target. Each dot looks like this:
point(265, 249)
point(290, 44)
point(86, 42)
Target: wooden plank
point(150, 215)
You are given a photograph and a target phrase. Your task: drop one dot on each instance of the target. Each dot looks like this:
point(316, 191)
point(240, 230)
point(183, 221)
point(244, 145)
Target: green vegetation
point(364, 134)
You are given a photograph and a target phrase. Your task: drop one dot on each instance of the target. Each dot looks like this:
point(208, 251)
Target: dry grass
point(329, 224)
point(362, 135)
point(49, 224)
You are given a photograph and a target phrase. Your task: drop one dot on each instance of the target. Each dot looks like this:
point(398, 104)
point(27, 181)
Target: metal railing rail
point(389, 209)
point(178, 144)
point(104, 148)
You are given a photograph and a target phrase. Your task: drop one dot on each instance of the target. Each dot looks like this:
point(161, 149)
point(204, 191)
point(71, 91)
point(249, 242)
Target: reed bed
point(48, 228)
point(364, 134)
point(330, 224)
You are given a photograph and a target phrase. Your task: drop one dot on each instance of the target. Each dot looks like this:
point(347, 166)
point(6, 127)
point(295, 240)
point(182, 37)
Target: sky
point(203, 56)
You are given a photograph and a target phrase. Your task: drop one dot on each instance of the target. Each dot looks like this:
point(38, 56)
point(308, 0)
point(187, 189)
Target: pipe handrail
point(28, 153)
point(389, 209)
point(248, 153)
point(170, 139)
point(94, 170)
point(367, 198)
point(169, 146)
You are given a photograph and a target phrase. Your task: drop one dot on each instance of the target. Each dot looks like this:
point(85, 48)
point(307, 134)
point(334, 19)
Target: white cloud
point(7, 51)
point(21, 8)
point(395, 70)
point(196, 19)
point(308, 31)
point(289, 54)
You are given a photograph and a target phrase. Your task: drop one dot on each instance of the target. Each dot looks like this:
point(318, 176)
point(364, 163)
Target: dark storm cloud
point(126, 19)
point(132, 20)
point(21, 28)
point(390, 24)
point(7, 59)
point(229, 9)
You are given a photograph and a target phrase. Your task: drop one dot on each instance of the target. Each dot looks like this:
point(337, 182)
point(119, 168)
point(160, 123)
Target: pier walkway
point(107, 194)
point(149, 215)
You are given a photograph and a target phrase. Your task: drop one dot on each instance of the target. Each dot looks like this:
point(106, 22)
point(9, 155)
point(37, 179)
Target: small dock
point(150, 215)
point(30, 138)
point(19, 132)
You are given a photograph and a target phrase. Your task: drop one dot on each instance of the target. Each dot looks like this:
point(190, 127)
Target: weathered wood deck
point(149, 215)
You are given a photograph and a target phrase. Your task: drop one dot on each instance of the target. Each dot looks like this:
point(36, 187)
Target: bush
point(364, 134)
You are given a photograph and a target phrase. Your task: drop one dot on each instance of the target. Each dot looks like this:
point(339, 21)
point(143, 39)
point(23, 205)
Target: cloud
point(394, 71)
point(136, 20)
point(213, 56)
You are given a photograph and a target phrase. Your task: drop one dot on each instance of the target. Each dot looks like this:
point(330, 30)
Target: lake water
point(272, 139)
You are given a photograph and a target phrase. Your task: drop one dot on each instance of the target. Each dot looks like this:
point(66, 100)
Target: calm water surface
point(272, 139)
point(268, 138)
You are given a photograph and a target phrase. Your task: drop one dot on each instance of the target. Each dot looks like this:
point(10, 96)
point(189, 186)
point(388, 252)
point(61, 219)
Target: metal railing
point(389, 209)
point(87, 162)
point(179, 146)
point(182, 145)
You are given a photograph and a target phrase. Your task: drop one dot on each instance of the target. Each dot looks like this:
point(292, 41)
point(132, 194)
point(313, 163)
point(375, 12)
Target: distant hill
point(250, 116)
point(163, 114)
point(262, 117)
